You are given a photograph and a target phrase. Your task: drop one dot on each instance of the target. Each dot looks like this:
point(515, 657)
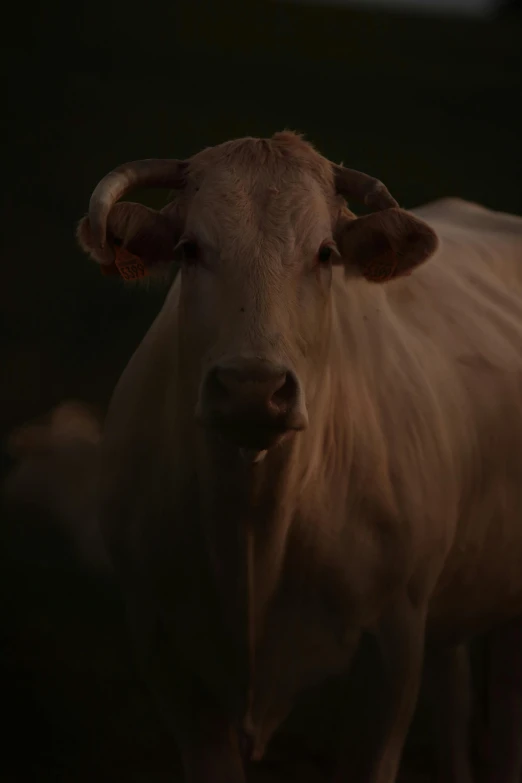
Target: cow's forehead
point(231, 206)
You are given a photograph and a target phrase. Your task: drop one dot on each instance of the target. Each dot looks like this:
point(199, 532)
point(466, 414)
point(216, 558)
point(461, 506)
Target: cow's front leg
point(505, 701)
point(207, 741)
point(373, 744)
point(451, 698)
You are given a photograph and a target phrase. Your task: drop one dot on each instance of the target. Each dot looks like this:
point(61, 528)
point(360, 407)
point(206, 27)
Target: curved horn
point(366, 189)
point(153, 172)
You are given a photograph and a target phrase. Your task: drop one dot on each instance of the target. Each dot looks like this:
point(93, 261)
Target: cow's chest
point(260, 632)
point(305, 639)
point(262, 659)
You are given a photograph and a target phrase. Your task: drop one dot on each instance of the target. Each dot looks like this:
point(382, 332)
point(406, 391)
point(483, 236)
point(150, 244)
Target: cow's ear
point(385, 245)
point(141, 240)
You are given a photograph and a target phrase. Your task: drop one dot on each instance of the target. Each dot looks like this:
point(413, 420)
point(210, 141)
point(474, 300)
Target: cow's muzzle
point(253, 404)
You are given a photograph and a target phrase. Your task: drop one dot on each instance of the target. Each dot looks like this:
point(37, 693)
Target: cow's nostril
point(286, 394)
point(257, 390)
point(217, 386)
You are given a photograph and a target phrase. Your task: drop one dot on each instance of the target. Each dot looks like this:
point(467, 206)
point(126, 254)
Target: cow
point(504, 691)
point(317, 444)
point(55, 477)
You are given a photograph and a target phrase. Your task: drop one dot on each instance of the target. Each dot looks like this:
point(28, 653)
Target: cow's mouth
point(252, 456)
point(251, 436)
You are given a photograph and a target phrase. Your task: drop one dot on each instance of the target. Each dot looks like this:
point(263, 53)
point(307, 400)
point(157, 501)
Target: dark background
point(433, 107)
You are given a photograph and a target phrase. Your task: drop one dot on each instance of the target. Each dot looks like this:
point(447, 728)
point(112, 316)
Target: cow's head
point(257, 225)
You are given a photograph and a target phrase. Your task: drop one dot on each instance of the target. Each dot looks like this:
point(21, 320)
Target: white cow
point(310, 443)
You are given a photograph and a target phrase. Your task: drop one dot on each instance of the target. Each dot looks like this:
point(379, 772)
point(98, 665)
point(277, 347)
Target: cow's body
point(480, 335)
point(397, 510)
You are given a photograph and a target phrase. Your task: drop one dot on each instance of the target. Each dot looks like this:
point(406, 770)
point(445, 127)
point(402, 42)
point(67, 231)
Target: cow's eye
point(187, 250)
point(190, 251)
point(325, 254)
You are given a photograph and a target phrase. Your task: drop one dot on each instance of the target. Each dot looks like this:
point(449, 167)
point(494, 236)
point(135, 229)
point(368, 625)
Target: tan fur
point(400, 501)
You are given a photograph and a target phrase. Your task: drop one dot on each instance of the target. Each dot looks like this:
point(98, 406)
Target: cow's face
point(256, 253)
point(257, 228)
